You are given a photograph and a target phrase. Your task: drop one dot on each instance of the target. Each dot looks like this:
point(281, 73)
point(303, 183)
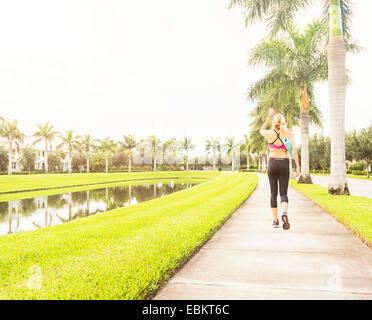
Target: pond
point(30, 214)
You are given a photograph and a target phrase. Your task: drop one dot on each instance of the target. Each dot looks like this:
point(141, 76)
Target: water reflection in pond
point(29, 214)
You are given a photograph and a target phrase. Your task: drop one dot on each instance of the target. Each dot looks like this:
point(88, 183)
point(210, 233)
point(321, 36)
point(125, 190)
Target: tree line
point(84, 153)
point(358, 150)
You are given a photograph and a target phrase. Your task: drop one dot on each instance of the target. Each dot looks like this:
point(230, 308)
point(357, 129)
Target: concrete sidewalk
point(318, 258)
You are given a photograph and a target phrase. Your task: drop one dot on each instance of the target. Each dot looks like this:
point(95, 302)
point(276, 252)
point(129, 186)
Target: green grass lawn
point(353, 176)
point(22, 183)
point(125, 253)
point(354, 212)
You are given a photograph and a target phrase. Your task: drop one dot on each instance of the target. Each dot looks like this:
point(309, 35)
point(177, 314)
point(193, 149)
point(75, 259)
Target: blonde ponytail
point(279, 122)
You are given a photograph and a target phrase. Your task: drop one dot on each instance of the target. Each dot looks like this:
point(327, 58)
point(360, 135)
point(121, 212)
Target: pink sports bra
point(273, 146)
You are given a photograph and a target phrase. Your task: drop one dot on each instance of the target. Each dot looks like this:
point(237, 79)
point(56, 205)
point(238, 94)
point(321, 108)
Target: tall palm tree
point(129, 143)
point(230, 147)
point(258, 146)
point(107, 146)
point(213, 145)
point(10, 131)
point(86, 145)
point(279, 14)
point(296, 60)
point(171, 146)
point(155, 142)
point(245, 146)
point(47, 133)
point(70, 141)
point(187, 145)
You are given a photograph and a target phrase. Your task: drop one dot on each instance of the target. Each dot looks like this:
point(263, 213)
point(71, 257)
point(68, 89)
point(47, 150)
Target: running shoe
point(286, 224)
point(276, 224)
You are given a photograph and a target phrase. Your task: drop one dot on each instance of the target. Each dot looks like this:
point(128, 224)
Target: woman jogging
point(278, 168)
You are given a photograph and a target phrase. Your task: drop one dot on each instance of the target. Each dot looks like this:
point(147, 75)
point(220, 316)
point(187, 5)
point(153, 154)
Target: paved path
point(318, 258)
point(358, 187)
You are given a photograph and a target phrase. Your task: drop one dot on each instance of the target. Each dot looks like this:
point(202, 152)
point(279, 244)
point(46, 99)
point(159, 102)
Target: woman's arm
point(263, 128)
point(295, 155)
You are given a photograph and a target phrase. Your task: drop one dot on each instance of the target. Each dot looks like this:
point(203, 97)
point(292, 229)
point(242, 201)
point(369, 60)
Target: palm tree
point(107, 146)
point(86, 144)
point(258, 146)
point(47, 133)
point(10, 131)
point(129, 143)
point(187, 145)
point(297, 61)
point(280, 14)
point(213, 145)
point(245, 146)
point(230, 147)
point(155, 141)
point(169, 146)
point(71, 142)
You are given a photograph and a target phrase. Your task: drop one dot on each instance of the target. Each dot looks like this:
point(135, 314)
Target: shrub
point(359, 172)
point(357, 166)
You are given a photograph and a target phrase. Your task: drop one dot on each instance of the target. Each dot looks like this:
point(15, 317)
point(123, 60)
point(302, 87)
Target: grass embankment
point(354, 212)
point(22, 183)
point(353, 176)
point(125, 253)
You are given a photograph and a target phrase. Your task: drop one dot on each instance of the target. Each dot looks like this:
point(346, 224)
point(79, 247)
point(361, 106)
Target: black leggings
point(278, 170)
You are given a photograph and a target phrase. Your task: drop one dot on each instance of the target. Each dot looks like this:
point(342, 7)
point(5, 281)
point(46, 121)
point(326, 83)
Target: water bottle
point(288, 146)
point(272, 112)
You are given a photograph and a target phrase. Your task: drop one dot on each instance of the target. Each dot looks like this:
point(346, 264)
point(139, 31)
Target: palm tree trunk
point(46, 156)
point(247, 161)
point(233, 161)
point(304, 125)
point(259, 162)
point(10, 169)
point(155, 160)
point(70, 162)
point(187, 160)
point(214, 160)
point(263, 161)
point(106, 164)
point(88, 163)
point(337, 91)
point(130, 161)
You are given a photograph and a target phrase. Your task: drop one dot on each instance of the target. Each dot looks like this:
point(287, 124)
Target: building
point(16, 160)
point(40, 159)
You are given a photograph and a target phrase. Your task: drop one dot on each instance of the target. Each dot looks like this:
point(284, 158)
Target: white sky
point(169, 67)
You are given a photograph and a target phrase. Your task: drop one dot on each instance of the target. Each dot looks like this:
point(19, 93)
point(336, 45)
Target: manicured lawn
point(354, 212)
point(353, 176)
point(125, 253)
point(47, 181)
point(359, 177)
